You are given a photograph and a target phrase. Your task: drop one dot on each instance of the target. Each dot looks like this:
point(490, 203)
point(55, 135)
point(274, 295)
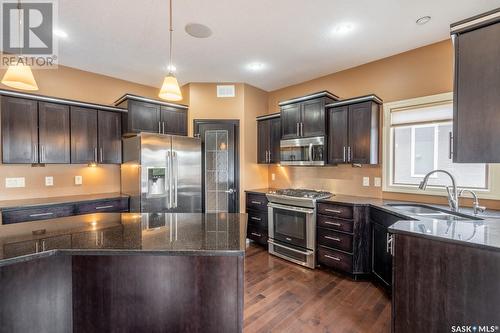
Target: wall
point(71, 83)
point(424, 71)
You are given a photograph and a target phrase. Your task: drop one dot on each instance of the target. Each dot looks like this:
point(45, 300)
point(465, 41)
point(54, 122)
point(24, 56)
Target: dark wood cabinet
point(305, 116)
point(83, 135)
point(149, 115)
point(256, 208)
point(268, 139)
point(54, 133)
point(353, 130)
point(476, 122)
point(102, 206)
point(19, 130)
point(109, 137)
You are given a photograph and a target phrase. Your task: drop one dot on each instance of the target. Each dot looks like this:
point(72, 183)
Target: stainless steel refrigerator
point(162, 173)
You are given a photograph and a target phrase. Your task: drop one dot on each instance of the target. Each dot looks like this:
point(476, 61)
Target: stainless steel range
point(292, 224)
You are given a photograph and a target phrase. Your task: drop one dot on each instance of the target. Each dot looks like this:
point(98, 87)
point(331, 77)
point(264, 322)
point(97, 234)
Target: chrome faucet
point(477, 208)
point(452, 192)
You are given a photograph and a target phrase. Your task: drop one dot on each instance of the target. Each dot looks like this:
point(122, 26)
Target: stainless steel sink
point(425, 211)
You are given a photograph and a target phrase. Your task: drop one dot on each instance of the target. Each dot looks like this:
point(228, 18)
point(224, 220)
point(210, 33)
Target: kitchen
point(289, 200)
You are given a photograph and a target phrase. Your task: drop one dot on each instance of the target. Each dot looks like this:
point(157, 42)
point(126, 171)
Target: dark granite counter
point(127, 233)
point(35, 202)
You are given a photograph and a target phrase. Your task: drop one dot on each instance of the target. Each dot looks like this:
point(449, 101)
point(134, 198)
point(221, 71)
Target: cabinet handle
point(450, 150)
point(100, 152)
point(301, 129)
point(332, 211)
point(104, 207)
point(389, 247)
point(102, 238)
point(256, 234)
point(163, 127)
point(269, 156)
point(257, 202)
point(333, 238)
point(344, 154)
point(35, 153)
point(298, 129)
point(333, 258)
point(41, 214)
point(37, 247)
point(42, 157)
point(95, 154)
point(43, 244)
point(256, 218)
point(333, 223)
point(288, 239)
point(159, 127)
point(349, 157)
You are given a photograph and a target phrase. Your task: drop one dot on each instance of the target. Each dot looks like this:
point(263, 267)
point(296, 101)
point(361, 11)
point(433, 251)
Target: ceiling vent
point(225, 91)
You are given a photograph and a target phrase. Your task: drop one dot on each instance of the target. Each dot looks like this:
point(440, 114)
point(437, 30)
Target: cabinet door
point(83, 135)
point(274, 145)
point(263, 140)
point(313, 118)
point(11, 250)
point(56, 242)
point(381, 259)
point(173, 121)
point(290, 121)
point(54, 133)
point(143, 117)
point(19, 130)
point(477, 98)
point(110, 137)
point(338, 134)
point(360, 132)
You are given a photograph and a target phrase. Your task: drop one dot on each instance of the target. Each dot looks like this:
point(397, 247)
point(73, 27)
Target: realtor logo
point(27, 32)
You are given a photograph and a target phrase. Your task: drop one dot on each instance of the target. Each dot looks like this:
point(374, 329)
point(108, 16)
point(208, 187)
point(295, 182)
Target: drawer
point(111, 205)
point(335, 259)
point(36, 214)
point(258, 235)
point(257, 219)
point(345, 212)
point(256, 201)
point(334, 223)
point(335, 240)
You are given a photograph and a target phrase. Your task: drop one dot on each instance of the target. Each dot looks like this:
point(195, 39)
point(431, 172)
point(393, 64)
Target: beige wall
point(424, 71)
point(79, 85)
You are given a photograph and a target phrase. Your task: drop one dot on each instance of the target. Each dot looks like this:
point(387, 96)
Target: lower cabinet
point(256, 208)
point(109, 238)
point(104, 206)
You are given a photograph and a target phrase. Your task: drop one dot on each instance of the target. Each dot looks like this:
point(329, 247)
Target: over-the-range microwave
point(303, 151)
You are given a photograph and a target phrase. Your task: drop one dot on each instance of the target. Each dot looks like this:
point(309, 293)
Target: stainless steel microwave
point(304, 151)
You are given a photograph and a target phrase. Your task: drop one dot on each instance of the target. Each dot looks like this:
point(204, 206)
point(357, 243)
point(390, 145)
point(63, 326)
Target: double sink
point(424, 211)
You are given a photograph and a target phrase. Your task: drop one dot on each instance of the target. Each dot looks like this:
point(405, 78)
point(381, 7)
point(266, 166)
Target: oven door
point(292, 225)
point(308, 151)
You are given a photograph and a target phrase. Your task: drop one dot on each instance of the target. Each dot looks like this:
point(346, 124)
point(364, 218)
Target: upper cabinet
point(353, 130)
point(305, 116)
point(476, 120)
point(268, 139)
point(54, 132)
point(149, 115)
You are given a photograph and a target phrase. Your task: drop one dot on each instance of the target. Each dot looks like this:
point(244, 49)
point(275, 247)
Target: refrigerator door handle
point(168, 182)
point(176, 176)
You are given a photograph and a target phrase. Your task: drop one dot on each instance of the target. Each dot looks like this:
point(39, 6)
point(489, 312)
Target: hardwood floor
point(284, 297)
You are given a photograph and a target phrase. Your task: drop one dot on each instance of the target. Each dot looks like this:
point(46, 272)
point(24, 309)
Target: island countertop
point(125, 234)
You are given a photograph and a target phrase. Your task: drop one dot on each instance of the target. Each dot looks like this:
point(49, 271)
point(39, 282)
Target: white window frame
point(493, 170)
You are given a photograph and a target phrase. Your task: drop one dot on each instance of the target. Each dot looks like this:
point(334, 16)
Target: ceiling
point(294, 39)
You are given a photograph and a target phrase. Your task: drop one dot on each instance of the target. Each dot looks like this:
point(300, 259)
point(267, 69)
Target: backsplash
point(99, 179)
point(342, 179)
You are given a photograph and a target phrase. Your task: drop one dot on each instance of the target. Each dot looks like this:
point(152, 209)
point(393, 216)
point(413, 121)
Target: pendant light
point(19, 75)
point(170, 90)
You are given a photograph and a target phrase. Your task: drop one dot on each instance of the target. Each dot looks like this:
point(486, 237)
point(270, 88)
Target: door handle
point(230, 191)
point(175, 157)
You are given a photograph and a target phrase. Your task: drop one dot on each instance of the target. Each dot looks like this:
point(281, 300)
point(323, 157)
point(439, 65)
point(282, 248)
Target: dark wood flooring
point(283, 297)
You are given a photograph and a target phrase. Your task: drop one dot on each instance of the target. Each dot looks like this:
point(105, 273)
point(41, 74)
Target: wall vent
point(225, 91)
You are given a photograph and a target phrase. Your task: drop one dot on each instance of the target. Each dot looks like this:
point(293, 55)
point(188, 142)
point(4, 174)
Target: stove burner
point(304, 193)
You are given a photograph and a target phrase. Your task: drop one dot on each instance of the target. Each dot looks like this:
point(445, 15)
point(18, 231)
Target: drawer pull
point(333, 258)
point(333, 238)
point(288, 239)
point(256, 234)
point(41, 214)
point(333, 211)
point(257, 202)
point(256, 218)
point(333, 223)
point(104, 207)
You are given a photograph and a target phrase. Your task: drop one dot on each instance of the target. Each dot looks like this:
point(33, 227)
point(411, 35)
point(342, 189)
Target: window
point(417, 140)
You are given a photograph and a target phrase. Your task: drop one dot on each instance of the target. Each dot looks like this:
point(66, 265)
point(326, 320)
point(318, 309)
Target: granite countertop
point(34, 202)
point(125, 234)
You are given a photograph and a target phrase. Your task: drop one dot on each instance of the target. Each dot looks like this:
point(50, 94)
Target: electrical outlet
point(49, 181)
point(14, 182)
point(273, 176)
point(366, 181)
point(78, 180)
point(377, 182)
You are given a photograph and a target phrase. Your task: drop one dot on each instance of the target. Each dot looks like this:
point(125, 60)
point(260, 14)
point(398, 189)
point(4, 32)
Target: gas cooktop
point(304, 193)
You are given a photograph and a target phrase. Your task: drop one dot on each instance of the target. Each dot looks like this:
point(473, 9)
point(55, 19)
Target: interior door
point(186, 174)
point(337, 134)
point(313, 118)
point(290, 121)
point(83, 135)
point(220, 165)
point(53, 122)
point(110, 137)
point(263, 137)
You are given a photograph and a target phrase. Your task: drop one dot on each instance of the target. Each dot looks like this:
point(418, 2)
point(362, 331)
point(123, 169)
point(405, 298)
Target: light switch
point(377, 182)
point(273, 176)
point(366, 181)
point(14, 182)
point(49, 181)
point(78, 180)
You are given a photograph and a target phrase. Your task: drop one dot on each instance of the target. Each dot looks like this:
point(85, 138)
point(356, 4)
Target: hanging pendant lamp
point(19, 76)
point(170, 89)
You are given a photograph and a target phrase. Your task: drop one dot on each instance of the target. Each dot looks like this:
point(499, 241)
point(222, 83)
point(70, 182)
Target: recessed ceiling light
point(343, 28)
point(60, 33)
point(198, 30)
point(423, 20)
point(256, 66)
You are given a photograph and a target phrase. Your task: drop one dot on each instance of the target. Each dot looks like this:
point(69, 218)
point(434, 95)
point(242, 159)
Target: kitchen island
point(114, 272)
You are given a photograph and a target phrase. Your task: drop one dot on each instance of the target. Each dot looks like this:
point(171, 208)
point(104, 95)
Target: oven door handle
point(292, 208)
point(310, 152)
point(307, 252)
